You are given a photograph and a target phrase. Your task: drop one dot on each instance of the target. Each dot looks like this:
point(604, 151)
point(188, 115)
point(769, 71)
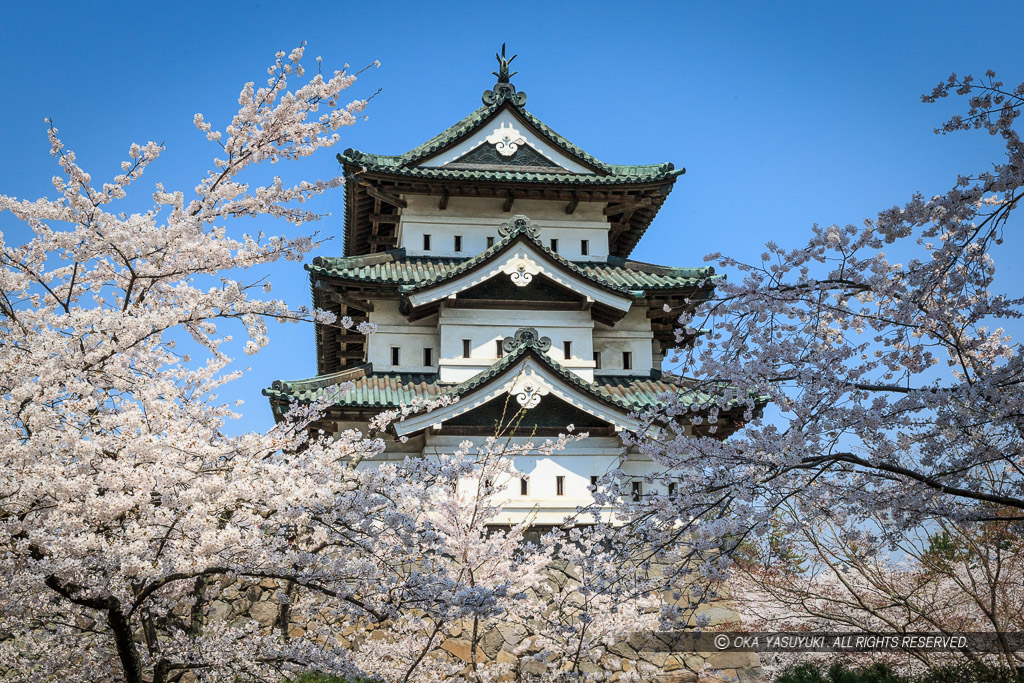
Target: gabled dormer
point(519, 280)
point(526, 379)
point(537, 275)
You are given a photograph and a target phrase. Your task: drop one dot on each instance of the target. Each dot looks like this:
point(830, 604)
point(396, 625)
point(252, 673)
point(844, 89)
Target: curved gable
point(519, 257)
point(508, 141)
point(523, 379)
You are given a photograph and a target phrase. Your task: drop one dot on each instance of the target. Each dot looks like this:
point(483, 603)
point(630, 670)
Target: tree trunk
point(126, 649)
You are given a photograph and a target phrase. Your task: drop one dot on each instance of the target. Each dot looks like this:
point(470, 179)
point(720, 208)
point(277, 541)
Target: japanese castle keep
point(493, 260)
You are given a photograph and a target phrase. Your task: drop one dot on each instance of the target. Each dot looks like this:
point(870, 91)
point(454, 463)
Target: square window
point(585, 247)
point(428, 357)
point(426, 243)
point(466, 348)
point(559, 485)
point(458, 243)
point(627, 360)
point(567, 349)
point(394, 355)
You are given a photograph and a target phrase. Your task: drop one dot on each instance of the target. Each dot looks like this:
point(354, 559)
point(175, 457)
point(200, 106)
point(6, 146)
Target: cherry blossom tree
point(120, 496)
point(953, 577)
point(126, 510)
point(880, 391)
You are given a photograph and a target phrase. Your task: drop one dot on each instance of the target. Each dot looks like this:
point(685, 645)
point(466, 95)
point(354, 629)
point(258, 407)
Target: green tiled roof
point(376, 390)
point(444, 138)
point(395, 268)
point(405, 173)
point(623, 175)
point(503, 245)
point(605, 173)
point(385, 268)
point(390, 390)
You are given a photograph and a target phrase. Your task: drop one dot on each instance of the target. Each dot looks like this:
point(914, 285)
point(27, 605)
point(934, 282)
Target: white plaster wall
point(394, 329)
point(577, 463)
point(594, 456)
point(632, 333)
point(545, 212)
point(476, 219)
point(484, 327)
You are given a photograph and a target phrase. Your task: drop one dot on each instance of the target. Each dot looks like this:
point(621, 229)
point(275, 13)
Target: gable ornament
point(520, 269)
point(506, 139)
point(528, 390)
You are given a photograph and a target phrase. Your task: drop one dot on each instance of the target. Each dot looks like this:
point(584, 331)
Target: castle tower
point(493, 260)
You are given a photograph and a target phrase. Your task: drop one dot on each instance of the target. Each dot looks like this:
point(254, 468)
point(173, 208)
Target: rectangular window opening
point(567, 349)
point(585, 247)
point(637, 491)
point(593, 482)
point(426, 243)
point(466, 348)
point(554, 245)
point(524, 486)
point(672, 487)
point(458, 243)
point(428, 357)
point(627, 360)
point(559, 485)
point(499, 349)
point(597, 359)
point(490, 241)
point(394, 355)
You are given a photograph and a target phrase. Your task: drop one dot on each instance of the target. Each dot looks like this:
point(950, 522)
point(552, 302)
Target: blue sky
point(784, 114)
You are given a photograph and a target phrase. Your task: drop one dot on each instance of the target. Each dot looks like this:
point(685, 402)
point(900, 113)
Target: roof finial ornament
point(503, 89)
point(502, 73)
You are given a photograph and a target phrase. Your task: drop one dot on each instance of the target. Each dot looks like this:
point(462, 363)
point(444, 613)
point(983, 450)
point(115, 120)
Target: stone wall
point(641, 657)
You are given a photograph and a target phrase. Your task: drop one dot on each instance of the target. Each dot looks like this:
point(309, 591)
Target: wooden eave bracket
point(626, 207)
point(386, 197)
point(573, 203)
point(510, 199)
point(358, 304)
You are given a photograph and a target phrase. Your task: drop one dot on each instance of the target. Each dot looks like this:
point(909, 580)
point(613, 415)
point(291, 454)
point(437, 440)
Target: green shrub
point(808, 672)
point(964, 672)
point(313, 677)
point(971, 672)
